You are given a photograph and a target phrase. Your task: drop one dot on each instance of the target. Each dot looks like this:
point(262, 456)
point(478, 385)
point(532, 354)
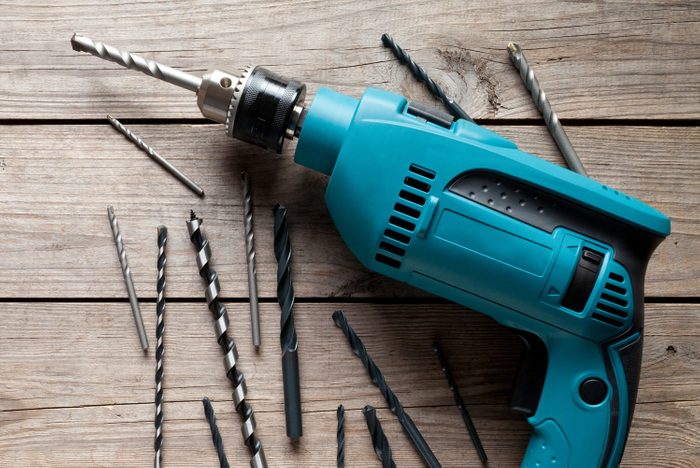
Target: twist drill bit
point(379, 440)
point(392, 400)
point(215, 434)
point(160, 328)
point(340, 436)
point(421, 75)
point(288, 333)
point(250, 257)
point(460, 404)
point(192, 185)
point(542, 104)
point(227, 344)
point(126, 271)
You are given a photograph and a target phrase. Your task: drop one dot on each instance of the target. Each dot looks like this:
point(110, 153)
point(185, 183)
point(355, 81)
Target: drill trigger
point(529, 378)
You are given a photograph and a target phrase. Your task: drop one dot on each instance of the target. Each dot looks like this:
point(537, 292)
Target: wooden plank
point(87, 354)
point(58, 180)
point(595, 60)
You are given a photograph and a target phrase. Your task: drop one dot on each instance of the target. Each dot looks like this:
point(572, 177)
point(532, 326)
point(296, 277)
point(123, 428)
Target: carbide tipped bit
point(227, 344)
point(250, 257)
point(126, 271)
point(460, 404)
point(135, 62)
point(340, 436)
point(392, 400)
point(160, 328)
point(542, 103)
point(179, 175)
point(215, 434)
point(421, 75)
point(288, 332)
point(379, 440)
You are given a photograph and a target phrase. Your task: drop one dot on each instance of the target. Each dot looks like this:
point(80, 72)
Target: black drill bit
point(288, 333)
point(379, 440)
point(215, 434)
point(340, 436)
point(392, 400)
point(160, 328)
point(460, 404)
point(421, 75)
point(227, 344)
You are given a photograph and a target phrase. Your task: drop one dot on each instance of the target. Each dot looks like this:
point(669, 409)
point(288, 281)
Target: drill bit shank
point(250, 257)
point(379, 440)
point(160, 329)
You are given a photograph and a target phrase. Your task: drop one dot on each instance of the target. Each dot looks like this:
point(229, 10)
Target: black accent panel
point(417, 184)
point(412, 197)
point(391, 248)
point(427, 173)
point(387, 260)
point(430, 114)
point(529, 379)
point(593, 391)
point(584, 279)
point(397, 236)
point(631, 359)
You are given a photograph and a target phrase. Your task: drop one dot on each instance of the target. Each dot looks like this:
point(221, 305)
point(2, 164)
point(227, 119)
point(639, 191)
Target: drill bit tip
point(514, 48)
point(192, 215)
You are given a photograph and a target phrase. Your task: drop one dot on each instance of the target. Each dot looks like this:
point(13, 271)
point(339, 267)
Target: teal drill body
point(461, 212)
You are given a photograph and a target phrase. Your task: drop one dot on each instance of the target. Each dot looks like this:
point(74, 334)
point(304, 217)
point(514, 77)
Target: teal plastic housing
point(390, 198)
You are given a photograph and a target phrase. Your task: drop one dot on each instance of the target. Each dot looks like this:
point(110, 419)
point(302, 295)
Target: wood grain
point(595, 60)
point(58, 180)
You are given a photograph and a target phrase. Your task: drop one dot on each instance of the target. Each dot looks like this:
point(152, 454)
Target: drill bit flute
point(288, 333)
point(215, 433)
point(250, 258)
point(340, 436)
point(227, 344)
point(160, 328)
point(379, 440)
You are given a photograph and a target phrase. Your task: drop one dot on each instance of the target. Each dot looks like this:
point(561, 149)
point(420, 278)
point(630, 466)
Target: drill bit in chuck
point(250, 257)
point(392, 400)
point(340, 436)
point(217, 307)
point(379, 440)
point(288, 332)
point(542, 104)
point(126, 271)
point(215, 433)
point(160, 329)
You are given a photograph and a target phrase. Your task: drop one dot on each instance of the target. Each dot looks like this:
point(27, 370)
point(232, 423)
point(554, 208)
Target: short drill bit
point(421, 75)
point(192, 185)
point(250, 257)
point(160, 328)
point(340, 436)
point(392, 400)
point(542, 103)
point(126, 271)
point(460, 404)
point(215, 434)
point(288, 332)
point(379, 440)
point(217, 307)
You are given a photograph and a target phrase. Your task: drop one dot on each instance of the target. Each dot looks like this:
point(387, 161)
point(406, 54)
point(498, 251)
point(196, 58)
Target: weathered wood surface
point(88, 395)
point(595, 59)
point(58, 180)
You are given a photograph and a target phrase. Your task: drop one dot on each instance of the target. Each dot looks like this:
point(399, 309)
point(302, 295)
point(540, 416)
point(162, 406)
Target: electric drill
point(457, 210)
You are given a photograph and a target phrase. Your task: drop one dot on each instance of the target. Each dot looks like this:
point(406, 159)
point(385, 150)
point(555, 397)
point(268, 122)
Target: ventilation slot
point(607, 320)
point(616, 277)
point(428, 174)
point(417, 184)
point(412, 197)
point(387, 260)
point(397, 236)
point(614, 300)
point(616, 289)
point(402, 223)
point(391, 248)
point(611, 310)
point(413, 213)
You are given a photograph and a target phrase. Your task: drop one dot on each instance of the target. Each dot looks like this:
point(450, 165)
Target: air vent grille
point(614, 305)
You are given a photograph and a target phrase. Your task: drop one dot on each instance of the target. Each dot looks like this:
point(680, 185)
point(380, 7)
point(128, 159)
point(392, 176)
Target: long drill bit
point(250, 257)
point(392, 400)
point(379, 440)
point(542, 103)
point(288, 332)
point(160, 328)
point(422, 75)
point(340, 436)
point(126, 271)
point(135, 139)
point(460, 404)
point(215, 434)
point(227, 344)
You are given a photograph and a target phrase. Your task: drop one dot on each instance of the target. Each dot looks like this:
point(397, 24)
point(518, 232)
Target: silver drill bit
point(250, 257)
point(160, 329)
point(542, 104)
point(192, 185)
point(133, 300)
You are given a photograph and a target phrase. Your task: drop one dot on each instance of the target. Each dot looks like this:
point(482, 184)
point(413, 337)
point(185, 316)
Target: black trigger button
point(430, 114)
point(529, 378)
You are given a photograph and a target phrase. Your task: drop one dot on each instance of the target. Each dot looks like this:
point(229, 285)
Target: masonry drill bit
point(160, 328)
point(215, 434)
point(392, 400)
point(340, 436)
point(379, 440)
point(126, 271)
point(542, 103)
point(288, 332)
point(460, 404)
point(227, 344)
point(421, 75)
point(192, 185)
point(250, 257)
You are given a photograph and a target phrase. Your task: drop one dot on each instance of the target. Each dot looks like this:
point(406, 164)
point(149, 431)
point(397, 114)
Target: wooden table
point(76, 390)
